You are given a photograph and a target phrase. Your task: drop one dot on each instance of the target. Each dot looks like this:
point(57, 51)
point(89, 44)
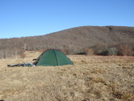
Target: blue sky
point(20, 18)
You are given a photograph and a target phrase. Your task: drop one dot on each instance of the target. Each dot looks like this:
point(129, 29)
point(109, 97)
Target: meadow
point(91, 78)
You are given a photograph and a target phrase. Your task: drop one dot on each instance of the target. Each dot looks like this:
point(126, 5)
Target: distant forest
point(88, 40)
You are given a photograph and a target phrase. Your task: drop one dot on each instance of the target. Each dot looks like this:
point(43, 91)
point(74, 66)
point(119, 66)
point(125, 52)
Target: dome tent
point(53, 57)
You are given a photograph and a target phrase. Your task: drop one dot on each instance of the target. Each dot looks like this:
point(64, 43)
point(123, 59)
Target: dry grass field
point(91, 78)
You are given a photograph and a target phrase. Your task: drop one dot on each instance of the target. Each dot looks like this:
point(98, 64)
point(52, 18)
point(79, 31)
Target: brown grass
point(91, 78)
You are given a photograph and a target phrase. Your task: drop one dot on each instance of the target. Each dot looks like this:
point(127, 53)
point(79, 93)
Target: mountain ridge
point(73, 40)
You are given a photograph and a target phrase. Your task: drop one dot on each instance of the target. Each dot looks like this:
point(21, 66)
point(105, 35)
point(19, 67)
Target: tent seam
point(55, 56)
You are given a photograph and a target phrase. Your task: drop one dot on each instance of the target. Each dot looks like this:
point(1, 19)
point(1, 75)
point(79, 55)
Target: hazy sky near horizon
point(20, 18)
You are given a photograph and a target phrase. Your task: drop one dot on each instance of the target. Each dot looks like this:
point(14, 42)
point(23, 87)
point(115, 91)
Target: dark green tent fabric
point(53, 57)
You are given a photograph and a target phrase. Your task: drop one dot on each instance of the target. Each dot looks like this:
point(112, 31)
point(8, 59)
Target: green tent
point(53, 57)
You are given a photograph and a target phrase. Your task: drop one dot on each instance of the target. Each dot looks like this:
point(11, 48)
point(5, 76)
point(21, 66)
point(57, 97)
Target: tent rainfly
point(53, 57)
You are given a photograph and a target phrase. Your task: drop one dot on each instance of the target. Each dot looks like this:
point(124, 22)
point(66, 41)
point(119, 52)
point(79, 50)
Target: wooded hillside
point(74, 41)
